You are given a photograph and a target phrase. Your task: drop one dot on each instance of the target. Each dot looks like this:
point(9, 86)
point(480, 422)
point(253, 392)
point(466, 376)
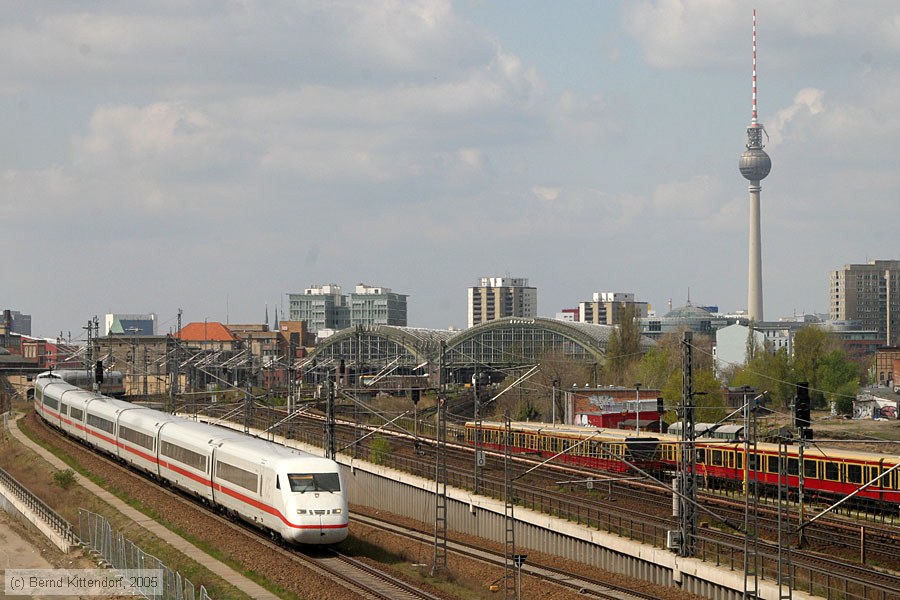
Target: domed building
point(685, 318)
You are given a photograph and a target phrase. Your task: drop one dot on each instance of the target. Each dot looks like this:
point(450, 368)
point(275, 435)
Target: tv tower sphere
point(755, 164)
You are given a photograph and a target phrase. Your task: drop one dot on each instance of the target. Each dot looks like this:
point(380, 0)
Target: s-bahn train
point(827, 472)
point(288, 493)
point(113, 381)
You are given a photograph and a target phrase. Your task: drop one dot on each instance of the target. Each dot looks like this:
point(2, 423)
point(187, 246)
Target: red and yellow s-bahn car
point(827, 472)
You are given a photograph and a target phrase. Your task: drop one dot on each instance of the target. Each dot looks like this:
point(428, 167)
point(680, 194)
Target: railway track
point(637, 503)
point(586, 587)
point(354, 575)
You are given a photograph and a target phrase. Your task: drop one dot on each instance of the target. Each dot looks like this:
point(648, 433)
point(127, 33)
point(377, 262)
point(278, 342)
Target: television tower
point(755, 164)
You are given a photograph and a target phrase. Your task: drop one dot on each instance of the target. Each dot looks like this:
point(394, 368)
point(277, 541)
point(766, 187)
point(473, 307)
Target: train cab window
point(854, 474)
point(832, 471)
point(793, 466)
point(810, 469)
point(314, 482)
point(277, 481)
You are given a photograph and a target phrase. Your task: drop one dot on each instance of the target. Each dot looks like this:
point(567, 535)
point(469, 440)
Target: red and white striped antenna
point(753, 120)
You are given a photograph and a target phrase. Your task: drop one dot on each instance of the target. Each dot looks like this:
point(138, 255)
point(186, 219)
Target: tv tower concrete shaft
point(754, 165)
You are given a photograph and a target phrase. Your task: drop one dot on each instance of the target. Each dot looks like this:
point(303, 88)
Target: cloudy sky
point(214, 156)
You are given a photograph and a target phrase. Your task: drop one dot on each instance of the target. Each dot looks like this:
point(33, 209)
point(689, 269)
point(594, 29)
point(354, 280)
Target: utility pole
point(751, 500)
point(510, 589)
point(686, 482)
point(637, 408)
point(440, 489)
point(330, 442)
point(479, 453)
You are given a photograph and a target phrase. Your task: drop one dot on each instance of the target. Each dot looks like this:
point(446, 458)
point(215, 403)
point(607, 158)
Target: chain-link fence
point(121, 553)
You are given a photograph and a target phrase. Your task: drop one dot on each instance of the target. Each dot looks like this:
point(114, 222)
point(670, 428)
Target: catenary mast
point(755, 164)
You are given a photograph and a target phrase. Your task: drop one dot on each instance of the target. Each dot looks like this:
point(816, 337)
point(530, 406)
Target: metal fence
point(39, 508)
point(121, 553)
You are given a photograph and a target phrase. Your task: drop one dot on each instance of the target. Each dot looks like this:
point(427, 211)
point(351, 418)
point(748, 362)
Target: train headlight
point(337, 511)
point(301, 511)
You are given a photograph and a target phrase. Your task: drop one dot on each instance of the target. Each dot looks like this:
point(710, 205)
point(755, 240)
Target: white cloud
point(808, 104)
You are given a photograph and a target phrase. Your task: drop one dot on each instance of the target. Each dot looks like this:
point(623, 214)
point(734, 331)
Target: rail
point(818, 580)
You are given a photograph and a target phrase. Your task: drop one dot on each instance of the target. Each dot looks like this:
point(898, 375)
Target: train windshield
point(314, 482)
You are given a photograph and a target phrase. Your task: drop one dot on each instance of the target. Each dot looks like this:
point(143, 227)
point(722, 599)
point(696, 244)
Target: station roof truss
point(507, 342)
point(514, 341)
point(406, 347)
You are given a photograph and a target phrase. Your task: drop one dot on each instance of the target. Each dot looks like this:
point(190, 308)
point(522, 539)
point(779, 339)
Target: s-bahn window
point(810, 470)
point(738, 461)
point(773, 464)
point(238, 476)
point(717, 458)
point(873, 471)
point(753, 462)
point(854, 473)
point(701, 456)
point(314, 482)
point(793, 466)
point(832, 471)
point(77, 414)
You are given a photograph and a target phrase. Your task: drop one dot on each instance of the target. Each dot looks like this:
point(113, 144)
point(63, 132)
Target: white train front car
point(312, 491)
point(294, 494)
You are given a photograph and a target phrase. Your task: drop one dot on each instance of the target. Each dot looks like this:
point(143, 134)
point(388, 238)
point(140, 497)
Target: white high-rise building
point(493, 298)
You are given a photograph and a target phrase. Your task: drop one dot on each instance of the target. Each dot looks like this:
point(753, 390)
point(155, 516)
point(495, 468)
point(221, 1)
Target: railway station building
point(426, 357)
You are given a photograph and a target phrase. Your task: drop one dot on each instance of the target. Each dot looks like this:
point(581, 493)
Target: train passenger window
point(717, 458)
point(752, 463)
point(854, 474)
point(701, 456)
point(77, 414)
point(873, 471)
point(314, 482)
point(832, 471)
point(810, 469)
point(238, 476)
point(774, 464)
point(64, 409)
point(739, 461)
point(793, 466)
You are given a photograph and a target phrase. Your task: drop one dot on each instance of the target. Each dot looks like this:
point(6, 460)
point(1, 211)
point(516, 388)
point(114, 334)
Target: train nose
point(320, 524)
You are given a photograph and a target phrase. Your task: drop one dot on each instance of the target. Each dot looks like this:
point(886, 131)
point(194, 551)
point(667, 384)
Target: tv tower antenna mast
point(754, 165)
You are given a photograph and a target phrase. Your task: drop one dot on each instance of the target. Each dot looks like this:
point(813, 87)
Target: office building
point(607, 308)
point(870, 295)
point(493, 298)
point(370, 305)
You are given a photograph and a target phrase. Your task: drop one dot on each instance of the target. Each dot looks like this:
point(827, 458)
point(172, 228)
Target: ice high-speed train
point(291, 494)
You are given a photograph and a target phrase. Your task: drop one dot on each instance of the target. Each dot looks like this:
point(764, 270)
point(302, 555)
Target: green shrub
point(64, 479)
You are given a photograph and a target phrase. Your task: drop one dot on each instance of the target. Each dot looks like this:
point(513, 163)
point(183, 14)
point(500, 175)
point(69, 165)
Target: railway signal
point(801, 406)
